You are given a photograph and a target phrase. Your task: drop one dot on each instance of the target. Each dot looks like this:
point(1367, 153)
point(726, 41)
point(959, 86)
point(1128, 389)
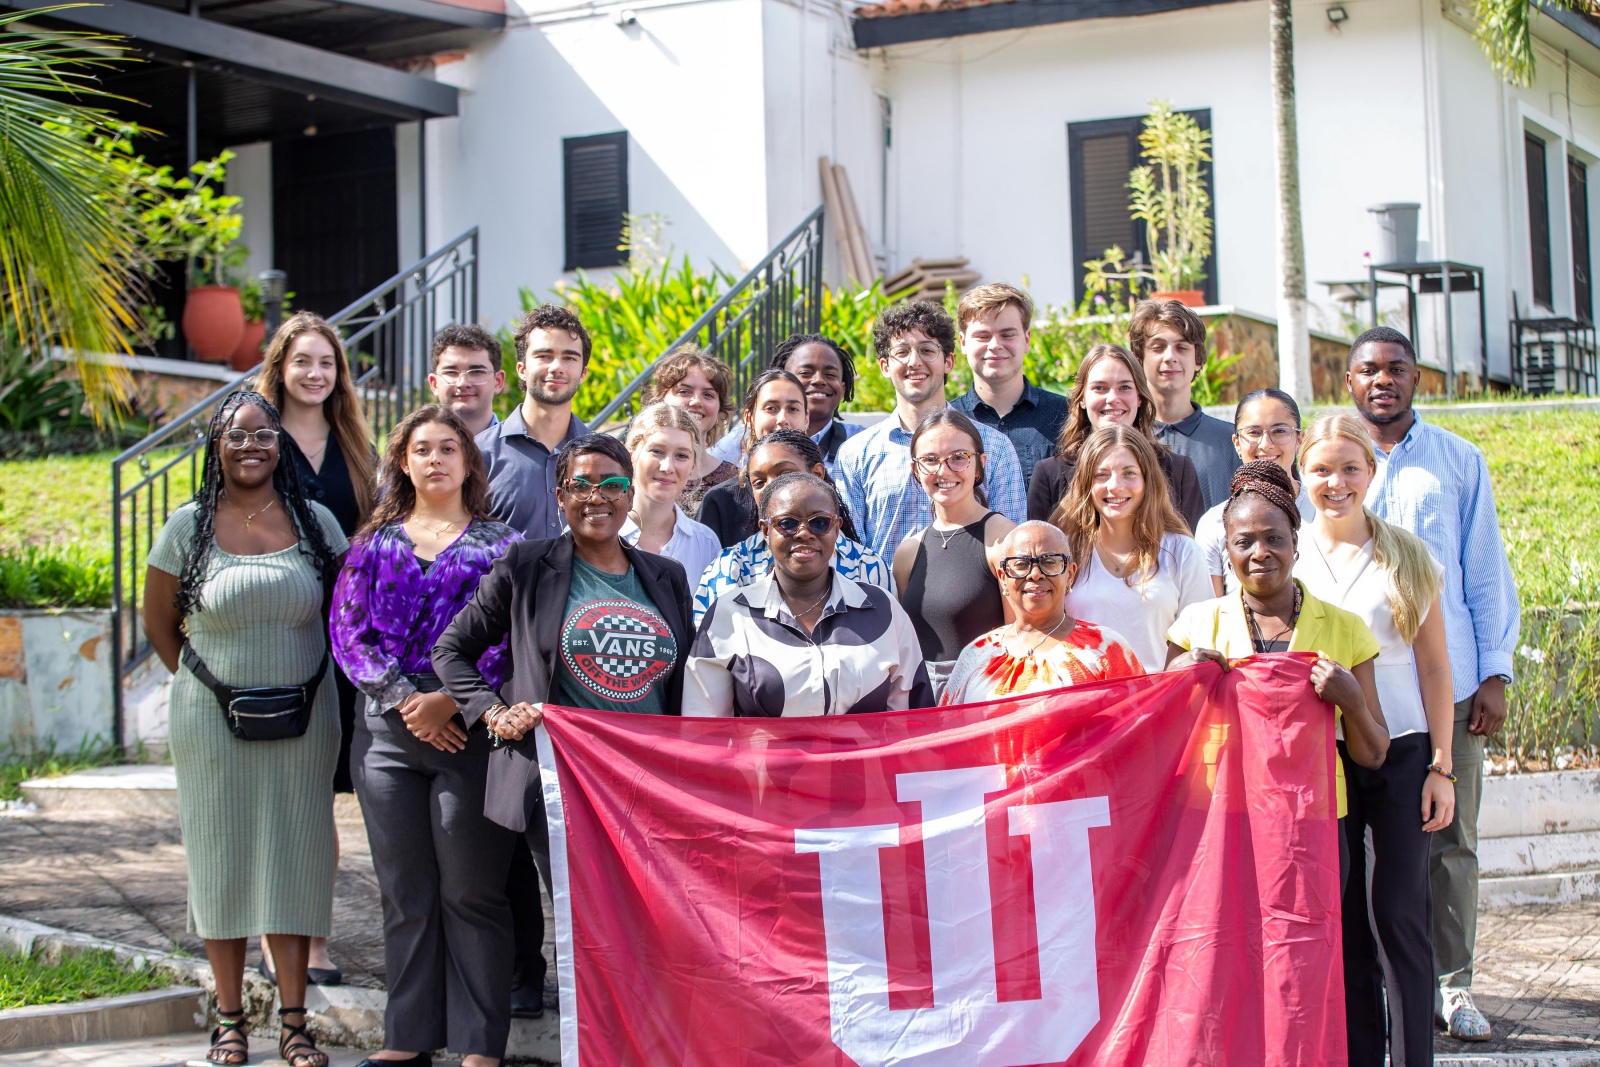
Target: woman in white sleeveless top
point(1383, 574)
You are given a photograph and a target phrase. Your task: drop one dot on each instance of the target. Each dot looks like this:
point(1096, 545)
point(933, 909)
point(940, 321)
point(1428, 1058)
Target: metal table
point(1445, 277)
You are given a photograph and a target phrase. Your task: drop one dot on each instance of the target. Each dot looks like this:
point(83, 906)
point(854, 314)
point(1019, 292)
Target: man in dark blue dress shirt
point(996, 327)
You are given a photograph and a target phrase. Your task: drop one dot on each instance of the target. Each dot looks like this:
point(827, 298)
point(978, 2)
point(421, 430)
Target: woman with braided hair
point(235, 593)
point(1272, 612)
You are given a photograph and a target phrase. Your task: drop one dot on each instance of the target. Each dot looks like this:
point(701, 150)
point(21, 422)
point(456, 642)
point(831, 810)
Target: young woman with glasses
point(419, 765)
point(235, 589)
point(1266, 425)
point(945, 571)
point(804, 639)
point(1044, 647)
point(558, 603)
point(1137, 565)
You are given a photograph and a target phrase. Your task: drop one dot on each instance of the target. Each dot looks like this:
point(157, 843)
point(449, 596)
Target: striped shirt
point(751, 559)
point(750, 658)
point(1436, 485)
point(875, 478)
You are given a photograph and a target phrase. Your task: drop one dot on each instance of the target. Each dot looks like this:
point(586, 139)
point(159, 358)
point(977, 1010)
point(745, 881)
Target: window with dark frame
point(595, 183)
point(1538, 220)
point(1099, 156)
point(1578, 203)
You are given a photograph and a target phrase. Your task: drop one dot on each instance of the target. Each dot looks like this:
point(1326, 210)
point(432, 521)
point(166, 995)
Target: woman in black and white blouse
point(803, 639)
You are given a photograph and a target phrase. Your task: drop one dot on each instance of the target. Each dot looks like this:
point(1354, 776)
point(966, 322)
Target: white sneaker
point(1462, 1019)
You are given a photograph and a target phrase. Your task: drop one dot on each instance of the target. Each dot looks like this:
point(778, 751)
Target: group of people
point(762, 556)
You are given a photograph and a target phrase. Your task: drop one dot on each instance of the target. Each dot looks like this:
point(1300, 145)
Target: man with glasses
point(1169, 340)
point(519, 454)
point(916, 344)
point(466, 374)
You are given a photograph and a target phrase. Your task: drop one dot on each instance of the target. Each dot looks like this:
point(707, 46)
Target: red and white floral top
point(987, 670)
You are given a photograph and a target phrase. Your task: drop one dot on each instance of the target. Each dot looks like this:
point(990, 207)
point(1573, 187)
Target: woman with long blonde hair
point(325, 436)
point(1111, 389)
point(1385, 575)
point(1137, 566)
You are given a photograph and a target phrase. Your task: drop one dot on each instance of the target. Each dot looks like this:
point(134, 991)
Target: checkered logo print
point(617, 649)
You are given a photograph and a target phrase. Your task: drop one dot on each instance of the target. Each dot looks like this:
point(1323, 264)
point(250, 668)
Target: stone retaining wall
point(55, 679)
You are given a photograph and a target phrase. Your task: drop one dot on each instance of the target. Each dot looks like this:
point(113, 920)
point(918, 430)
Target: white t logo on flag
point(968, 1026)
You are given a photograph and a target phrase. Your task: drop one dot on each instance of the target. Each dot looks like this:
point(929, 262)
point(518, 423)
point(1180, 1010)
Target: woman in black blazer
point(592, 623)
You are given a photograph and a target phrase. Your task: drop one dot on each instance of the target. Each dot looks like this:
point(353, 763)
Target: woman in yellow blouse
point(1273, 613)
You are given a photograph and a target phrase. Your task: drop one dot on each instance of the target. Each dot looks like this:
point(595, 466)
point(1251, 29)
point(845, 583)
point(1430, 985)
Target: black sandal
point(295, 1044)
point(230, 1046)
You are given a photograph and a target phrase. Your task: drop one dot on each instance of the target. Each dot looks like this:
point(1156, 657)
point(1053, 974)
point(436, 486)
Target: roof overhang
point(273, 61)
point(886, 30)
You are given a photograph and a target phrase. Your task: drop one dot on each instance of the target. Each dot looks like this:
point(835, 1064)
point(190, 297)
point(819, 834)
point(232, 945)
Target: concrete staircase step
point(1538, 853)
point(1516, 805)
point(1556, 887)
point(175, 1010)
point(144, 789)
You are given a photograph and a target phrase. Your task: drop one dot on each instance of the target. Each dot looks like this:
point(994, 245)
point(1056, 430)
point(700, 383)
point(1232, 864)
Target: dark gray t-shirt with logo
point(616, 649)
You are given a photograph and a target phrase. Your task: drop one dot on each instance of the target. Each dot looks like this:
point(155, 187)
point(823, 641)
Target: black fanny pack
point(265, 713)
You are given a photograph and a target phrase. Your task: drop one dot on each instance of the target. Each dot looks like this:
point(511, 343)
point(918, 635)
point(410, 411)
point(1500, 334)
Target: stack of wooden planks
point(925, 279)
point(839, 204)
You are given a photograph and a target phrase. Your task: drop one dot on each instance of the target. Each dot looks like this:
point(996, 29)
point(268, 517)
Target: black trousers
point(527, 914)
point(1388, 910)
point(442, 871)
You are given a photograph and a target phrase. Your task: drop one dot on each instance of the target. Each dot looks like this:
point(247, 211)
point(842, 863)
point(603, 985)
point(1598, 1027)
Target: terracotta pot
point(248, 354)
point(213, 322)
point(1188, 297)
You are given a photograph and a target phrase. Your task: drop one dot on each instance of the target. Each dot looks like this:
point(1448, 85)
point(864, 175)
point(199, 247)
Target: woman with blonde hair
point(1111, 390)
point(664, 441)
point(1137, 566)
point(325, 436)
point(1354, 560)
point(702, 385)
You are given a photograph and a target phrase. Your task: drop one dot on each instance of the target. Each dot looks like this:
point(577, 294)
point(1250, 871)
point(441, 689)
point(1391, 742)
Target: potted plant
point(1168, 194)
point(197, 224)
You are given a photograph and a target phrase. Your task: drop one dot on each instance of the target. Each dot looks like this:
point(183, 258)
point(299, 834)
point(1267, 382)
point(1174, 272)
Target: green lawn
point(28, 980)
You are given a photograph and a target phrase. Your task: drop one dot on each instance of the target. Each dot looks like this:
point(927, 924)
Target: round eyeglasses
point(237, 439)
point(1050, 565)
point(610, 489)
point(956, 461)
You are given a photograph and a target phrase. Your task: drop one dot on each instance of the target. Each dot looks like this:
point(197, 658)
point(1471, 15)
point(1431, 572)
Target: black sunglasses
point(819, 525)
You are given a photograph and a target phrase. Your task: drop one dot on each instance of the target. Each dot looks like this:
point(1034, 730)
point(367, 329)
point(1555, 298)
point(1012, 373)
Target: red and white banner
point(1136, 872)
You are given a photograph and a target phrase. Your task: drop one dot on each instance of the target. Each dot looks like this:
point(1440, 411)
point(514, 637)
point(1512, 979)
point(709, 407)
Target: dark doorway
point(334, 217)
point(1578, 198)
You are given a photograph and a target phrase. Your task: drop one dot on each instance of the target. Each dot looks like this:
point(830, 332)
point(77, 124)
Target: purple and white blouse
point(388, 611)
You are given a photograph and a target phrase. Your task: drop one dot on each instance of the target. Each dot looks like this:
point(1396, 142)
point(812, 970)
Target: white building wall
point(683, 80)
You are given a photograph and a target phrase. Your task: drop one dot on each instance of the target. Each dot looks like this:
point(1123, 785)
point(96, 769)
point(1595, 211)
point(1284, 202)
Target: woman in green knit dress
point(241, 573)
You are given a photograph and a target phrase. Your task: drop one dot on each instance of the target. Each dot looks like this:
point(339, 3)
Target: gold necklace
point(250, 516)
point(809, 608)
point(440, 531)
point(1043, 637)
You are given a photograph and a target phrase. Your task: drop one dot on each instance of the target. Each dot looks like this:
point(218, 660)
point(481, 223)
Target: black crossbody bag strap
point(225, 694)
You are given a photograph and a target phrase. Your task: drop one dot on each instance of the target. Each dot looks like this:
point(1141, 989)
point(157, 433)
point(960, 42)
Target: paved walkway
point(123, 879)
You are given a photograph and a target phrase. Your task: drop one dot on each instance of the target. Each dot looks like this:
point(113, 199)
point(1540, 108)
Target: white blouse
point(1142, 613)
point(693, 544)
point(1360, 585)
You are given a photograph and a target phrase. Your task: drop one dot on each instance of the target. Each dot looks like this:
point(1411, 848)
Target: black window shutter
point(1538, 220)
point(1578, 198)
point(1099, 156)
point(595, 176)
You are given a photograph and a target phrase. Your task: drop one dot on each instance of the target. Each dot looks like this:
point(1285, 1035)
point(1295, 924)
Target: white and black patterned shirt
point(750, 658)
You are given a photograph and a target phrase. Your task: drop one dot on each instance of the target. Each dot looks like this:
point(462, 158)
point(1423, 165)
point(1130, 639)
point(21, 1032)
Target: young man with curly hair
point(466, 374)
point(916, 344)
point(519, 453)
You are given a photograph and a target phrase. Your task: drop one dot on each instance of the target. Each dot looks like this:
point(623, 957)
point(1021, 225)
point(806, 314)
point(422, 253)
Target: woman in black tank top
point(943, 572)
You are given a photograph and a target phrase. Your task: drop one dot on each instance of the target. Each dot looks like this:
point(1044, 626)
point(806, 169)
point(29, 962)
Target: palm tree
point(1294, 328)
point(1505, 34)
point(69, 224)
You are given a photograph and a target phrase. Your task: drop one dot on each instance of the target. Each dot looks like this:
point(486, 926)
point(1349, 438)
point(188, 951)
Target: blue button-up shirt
point(874, 476)
point(1033, 425)
point(1436, 485)
point(522, 476)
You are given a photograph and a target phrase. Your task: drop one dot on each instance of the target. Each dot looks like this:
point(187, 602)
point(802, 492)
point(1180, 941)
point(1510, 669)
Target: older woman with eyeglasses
point(803, 639)
point(1044, 648)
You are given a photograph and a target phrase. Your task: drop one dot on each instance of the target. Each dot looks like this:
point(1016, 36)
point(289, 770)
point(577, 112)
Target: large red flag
point(1135, 872)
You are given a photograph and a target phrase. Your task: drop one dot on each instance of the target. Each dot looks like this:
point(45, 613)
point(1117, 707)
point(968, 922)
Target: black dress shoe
point(266, 971)
point(333, 976)
point(527, 1000)
point(421, 1059)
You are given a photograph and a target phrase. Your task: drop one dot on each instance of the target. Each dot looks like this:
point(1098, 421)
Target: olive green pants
point(1454, 863)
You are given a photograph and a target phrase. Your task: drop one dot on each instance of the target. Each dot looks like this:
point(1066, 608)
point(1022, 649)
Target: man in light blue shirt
point(1436, 485)
point(916, 344)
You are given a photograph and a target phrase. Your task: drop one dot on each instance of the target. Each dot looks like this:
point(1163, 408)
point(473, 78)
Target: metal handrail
point(800, 251)
point(396, 319)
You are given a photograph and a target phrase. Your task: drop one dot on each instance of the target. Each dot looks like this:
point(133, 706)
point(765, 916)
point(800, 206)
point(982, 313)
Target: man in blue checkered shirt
point(916, 344)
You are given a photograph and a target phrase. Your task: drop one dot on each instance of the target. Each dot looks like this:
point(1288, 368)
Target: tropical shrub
point(54, 576)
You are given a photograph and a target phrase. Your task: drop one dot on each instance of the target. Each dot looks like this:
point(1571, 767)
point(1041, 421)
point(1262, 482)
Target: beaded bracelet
point(1436, 769)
